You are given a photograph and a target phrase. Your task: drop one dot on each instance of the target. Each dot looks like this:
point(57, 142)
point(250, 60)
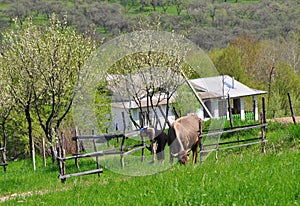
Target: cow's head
point(183, 156)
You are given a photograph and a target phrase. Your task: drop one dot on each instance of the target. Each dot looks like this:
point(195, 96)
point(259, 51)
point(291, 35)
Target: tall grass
point(243, 177)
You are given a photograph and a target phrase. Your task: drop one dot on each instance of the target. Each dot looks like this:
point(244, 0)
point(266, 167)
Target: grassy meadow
point(240, 177)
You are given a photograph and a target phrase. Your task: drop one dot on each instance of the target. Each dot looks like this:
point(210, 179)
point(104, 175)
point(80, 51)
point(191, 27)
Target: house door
point(208, 106)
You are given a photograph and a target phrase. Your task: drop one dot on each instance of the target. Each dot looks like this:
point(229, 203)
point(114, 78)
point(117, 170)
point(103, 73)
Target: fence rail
point(234, 144)
point(250, 141)
point(123, 151)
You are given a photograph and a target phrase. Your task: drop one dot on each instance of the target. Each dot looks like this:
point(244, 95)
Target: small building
point(214, 92)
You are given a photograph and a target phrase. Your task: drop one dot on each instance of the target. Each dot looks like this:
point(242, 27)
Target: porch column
point(255, 108)
point(216, 108)
point(242, 107)
point(200, 113)
point(227, 112)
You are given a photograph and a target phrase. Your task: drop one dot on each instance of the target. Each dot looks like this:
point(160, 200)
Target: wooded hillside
point(210, 24)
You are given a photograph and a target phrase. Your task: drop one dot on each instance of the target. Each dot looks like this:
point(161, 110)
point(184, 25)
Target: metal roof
point(221, 86)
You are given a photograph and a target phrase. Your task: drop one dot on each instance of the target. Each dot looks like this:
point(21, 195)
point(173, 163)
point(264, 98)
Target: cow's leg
point(194, 149)
point(160, 153)
point(171, 156)
point(161, 140)
point(154, 146)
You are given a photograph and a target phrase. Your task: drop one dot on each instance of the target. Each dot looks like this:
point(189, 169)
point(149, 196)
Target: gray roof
point(221, 86)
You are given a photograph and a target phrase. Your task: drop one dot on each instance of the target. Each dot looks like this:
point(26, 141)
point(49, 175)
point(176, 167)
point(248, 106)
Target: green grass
point(239, 177)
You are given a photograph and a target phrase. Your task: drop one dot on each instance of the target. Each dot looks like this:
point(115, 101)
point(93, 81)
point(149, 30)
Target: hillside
point(210, 24)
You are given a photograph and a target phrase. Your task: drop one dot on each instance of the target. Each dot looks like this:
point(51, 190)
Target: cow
point(183, 136)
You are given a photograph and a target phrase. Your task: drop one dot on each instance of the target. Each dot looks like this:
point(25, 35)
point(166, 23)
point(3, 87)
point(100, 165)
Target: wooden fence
point(237, 143)
point(123, 151)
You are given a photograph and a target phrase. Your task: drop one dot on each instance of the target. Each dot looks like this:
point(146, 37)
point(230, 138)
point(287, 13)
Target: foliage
point(264, 65)
point(185, 101)
point(147, 79)
point(103, 102)
point(230, 62)
point(151, 73)
point(210, 24)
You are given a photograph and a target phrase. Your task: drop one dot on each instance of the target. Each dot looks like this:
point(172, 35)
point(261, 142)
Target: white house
point(214, 93)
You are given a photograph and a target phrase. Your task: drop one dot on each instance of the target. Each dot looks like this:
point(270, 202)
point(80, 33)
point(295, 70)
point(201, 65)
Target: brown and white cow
point(183, 137)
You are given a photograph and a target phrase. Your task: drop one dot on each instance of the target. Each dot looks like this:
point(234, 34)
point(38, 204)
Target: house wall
point(222, 104)
point(219, 108)
point(213, 106)
point(118, 120)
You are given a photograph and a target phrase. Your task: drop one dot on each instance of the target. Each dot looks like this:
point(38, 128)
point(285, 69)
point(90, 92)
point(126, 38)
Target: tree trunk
point(270, 84)
point(31, 141)
point(53, 153)
point(4, 144)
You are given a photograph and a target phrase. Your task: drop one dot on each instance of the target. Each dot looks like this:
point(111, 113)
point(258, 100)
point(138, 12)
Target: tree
point(154, 69)
point(65, 53)
point(43, 65)
point(127, 5)
point(229, 61)
point(6, 105)
point(19, 9)
point(197, 11)
point(179, 4)
point(105, 15)
point(286, 80)
point(148, 79)
point(165, 4)
point(21, 75)
point(143, 3)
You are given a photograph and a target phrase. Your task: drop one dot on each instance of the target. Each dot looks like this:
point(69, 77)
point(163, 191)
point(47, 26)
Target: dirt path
point(285, 119)
point(46, 191)
point(22, 195)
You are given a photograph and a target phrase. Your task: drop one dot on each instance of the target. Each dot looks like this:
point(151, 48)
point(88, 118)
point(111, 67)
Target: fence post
point(62, 154)
point(230, 112)
point(201, 142)
point(123, 141)
point(107, 140)
point(96, 150)
point(44, 152)
point(77, 146)
point(263, 128)
point(292, 109)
